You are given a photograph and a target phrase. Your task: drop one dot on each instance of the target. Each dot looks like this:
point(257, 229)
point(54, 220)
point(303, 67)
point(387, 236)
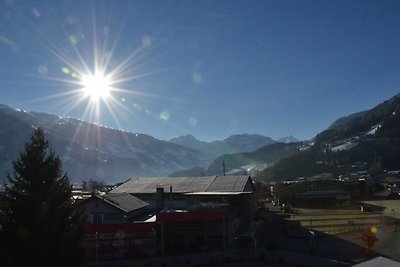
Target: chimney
point(160, 198)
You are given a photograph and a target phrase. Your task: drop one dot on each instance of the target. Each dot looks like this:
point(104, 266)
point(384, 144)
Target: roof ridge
point(208, 186)
point(112, 203)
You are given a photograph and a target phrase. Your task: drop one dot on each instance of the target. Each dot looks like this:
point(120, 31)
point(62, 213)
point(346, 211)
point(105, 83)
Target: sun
point(96, 86)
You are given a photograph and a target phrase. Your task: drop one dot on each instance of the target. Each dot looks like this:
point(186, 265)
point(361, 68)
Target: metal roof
point(228, 184)
point(124, 201)
point(184, 184)
point(216, 193)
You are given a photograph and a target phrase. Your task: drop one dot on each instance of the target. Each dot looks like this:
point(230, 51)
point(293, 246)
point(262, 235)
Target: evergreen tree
point(37, 219)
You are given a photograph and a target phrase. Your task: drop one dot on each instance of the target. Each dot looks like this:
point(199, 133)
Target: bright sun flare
point(96, 86)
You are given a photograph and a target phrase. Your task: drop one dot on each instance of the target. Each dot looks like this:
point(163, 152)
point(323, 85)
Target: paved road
point(272, 234)
point(388, 243)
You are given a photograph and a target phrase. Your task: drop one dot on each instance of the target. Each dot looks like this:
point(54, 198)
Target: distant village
point(325, 190)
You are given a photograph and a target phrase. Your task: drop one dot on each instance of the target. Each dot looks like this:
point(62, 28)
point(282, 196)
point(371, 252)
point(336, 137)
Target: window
point(97, 218)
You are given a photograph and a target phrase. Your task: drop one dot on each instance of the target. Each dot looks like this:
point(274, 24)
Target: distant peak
point(186, 137)
point(245, 136)
point(288, 139)
point(190, 136)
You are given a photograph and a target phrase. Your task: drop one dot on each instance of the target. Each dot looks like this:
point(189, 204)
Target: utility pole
point(223, 166)
point(97, 248)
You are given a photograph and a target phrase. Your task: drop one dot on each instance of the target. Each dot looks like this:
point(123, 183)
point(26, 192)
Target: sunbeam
point(91, 69)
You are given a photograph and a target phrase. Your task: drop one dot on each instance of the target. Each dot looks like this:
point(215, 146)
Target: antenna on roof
point(223, 167)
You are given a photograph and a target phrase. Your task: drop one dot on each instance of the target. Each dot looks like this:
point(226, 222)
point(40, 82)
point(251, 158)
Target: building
point(188, 232)
point(148, 217)
point(236, 193)
point(174, 189)
point(116, 242)
point(224, 205)
point(314, 193)
point(112, 232)
point(111, 208)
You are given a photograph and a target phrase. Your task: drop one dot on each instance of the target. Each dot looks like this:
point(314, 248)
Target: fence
point(202, 259)
point(334, 224)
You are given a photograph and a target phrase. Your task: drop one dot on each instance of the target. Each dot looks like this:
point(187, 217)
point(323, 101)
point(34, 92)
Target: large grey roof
point(228, 184)
point(185, 184)
point(124, 201)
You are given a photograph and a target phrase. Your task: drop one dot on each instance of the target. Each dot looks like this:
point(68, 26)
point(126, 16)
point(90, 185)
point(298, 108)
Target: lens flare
point(192, 121)
point(65, 70)
point(164, 116)
point(36, 12)
point(97, 74)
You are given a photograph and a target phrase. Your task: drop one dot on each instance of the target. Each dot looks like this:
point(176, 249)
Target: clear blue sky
point(209, 68)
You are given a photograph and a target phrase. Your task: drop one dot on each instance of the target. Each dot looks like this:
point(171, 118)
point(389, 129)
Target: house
point(188, 232)
point(174, 189)
point(112, 232)
point(223, 205)
point(149, 217)
point(115, 242)
point(111, 208)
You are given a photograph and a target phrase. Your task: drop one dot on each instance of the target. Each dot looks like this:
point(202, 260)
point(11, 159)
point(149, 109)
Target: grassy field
point(334, 222)
point(392, 207)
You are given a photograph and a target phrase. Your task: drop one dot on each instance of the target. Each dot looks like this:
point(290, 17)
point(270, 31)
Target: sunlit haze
point(208, 68)
point(96, 86)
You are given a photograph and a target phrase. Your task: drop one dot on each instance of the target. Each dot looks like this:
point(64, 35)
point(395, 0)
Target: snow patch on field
point(344, 147)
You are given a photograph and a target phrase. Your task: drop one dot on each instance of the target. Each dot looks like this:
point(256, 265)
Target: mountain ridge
point(365, 141)
point(236, 143)
point(91, 151)
point(245, 162)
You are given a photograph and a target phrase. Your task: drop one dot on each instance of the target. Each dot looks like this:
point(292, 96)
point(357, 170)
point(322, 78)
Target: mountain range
point(363, 141)
point(90, 151)
point(245, 162)
point(367, 140)
point(233, 144)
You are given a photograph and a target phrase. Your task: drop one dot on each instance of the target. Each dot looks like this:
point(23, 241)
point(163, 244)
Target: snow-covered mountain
point(288, 139)
point(248, 142)
point(233, 144)
point(367, 141)
point(188, 141)
point(92, 151)
point(246, 162)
